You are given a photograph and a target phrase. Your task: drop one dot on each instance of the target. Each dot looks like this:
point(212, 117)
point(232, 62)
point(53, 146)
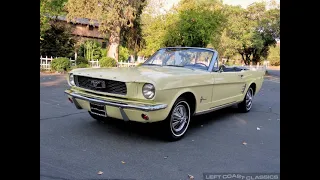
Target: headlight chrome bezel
point(148, 91)
point(71, 80)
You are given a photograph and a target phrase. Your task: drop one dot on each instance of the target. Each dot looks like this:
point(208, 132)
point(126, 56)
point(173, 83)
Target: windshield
point(181, 57)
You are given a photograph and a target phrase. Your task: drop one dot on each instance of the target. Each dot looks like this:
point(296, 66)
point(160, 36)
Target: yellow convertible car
point(173, 85)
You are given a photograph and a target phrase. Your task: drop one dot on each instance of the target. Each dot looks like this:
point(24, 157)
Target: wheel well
point(191, 99)
point(253, 85)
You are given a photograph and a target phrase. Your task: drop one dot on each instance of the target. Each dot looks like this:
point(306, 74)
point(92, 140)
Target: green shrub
point(103, 52)
point(57, 41)
point(275, 63)
point(91, 50)
point(107, 62)
point(123, 54)
point(60, 64)
point(228, 63)
point(81, 60)
point(274, 56)
point(82, 65)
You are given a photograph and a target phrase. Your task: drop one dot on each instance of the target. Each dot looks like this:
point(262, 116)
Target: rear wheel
point(246, 104)
point(98, 118)
point(178, 120)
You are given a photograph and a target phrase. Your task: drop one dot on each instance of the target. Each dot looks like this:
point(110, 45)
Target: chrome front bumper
point(145, 108)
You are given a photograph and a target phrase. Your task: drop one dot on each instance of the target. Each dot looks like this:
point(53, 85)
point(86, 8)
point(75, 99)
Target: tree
point(197, 21)
point(251, 31)
point(49, 9)
point(226, 46)
point(155, 32)
point(190, 23)
point(153, 24)
point(274, 56)
point(90, 49)
point(266, 31)
point(112, 15)
point(132, 37)
point(57, 41)
point(123, 54)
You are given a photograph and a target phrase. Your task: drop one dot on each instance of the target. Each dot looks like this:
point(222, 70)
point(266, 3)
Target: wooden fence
point(45, 63)
point(94, 63)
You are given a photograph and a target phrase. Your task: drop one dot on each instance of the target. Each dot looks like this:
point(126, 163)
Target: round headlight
point(148, 91)
point(71, 80)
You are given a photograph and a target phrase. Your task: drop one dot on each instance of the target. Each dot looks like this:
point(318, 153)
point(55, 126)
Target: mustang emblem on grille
point(97, 84)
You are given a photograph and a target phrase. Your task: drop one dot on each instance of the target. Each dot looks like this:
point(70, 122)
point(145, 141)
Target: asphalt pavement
point(75, 146)
point(274, 72)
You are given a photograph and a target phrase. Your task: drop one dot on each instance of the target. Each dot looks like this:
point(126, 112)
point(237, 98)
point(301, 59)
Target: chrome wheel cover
point(180, 118)
point(249, 97)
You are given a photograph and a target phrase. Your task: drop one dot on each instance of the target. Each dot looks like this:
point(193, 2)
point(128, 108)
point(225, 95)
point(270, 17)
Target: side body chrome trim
point(216, 108)
point(115, 104)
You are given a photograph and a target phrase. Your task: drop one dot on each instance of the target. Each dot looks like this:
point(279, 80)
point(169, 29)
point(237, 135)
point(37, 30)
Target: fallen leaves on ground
point(244, 143)
point(190, 176)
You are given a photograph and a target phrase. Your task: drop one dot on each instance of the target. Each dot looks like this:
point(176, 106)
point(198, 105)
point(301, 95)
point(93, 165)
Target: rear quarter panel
point(255, 77)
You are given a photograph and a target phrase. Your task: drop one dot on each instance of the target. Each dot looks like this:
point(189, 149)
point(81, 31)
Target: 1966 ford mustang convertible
point(173, 85)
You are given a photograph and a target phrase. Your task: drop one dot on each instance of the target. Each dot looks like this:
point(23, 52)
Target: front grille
point(101, 85)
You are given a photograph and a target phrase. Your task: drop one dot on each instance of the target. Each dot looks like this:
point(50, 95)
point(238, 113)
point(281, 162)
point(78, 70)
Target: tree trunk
point(247, 62)
point(243, 58)
point(114, 42)
point(255, 57)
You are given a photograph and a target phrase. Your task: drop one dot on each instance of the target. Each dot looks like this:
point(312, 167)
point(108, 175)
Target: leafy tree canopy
point(191, 23)
point(49, 8)
point(249, 32)
point(57, 42)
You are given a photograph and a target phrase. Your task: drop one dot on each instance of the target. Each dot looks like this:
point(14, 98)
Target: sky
point(243, 3)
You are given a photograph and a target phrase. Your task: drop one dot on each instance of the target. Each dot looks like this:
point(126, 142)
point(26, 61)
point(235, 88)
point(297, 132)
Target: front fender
point(170, 97)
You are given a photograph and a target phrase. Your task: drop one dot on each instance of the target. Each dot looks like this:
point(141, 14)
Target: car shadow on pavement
point(153, 131)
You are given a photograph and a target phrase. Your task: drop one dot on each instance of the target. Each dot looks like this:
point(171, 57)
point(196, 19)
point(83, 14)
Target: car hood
point(136, 74)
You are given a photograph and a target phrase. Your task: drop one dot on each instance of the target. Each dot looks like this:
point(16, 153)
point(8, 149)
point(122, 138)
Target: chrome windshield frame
point(213, 59)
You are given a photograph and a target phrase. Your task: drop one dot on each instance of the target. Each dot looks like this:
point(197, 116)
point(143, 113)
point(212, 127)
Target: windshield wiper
point(151, 65)
point(175, 65)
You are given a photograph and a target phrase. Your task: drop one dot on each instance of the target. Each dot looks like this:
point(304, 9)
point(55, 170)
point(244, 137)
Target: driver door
point(227, 87)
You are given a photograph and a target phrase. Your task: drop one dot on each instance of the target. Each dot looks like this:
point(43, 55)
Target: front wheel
point(178, 120)
point(246, 104)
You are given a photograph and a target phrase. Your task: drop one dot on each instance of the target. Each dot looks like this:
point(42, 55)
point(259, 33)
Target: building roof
point(84, 21)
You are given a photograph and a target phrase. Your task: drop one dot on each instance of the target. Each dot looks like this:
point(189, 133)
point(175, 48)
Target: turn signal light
point(145, 117)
